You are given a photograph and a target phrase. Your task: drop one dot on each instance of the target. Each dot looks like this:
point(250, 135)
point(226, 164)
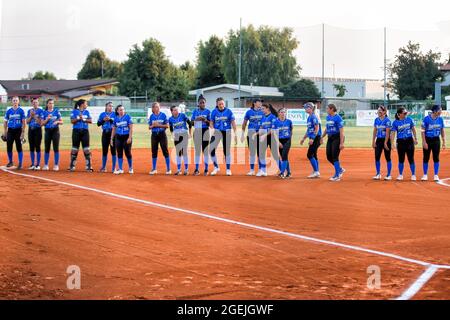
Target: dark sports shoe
point(10, 165)
point(178, 173)
point(71, 169)
point(89, 169)
point(206, 173)
point(288, 176)
point(19, 167)
point(281, 176)
point(196, 173)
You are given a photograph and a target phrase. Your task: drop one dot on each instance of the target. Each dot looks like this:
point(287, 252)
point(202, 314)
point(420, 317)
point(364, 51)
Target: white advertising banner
point(365, 118)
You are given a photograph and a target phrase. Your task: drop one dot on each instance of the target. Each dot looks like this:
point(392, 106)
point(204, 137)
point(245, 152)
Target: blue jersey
point(267, 123)
point(254, 118)
point(284, 128)
point(432, 127)
point(15, 118)
point(334, 124)
point(80, 124)
point(381, 125)
point(122, 124)
point(161, 119)
point(179, 124)
point(222, 119)
point(403, 128)
point(311, 124)
point(39, 114)
point(56, 116)
point(106, 125)
point(204, 114)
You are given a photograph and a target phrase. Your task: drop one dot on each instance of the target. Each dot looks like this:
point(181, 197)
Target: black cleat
point(178, 173)
point(19, 167)
point(196, 173)
point(288, 176)
point(89, 169)
point(10, 165)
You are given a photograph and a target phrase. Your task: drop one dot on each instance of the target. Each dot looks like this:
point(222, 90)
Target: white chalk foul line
point(443, 183)
point(419, 283)
point(234, 222)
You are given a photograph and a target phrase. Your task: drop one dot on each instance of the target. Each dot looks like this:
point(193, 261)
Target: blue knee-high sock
point(206, 162)
point(20, 154)
point(314, 164)
point(425, 168)
point(46, 158)
point(318, 169)
point(32, 157)
point(401, 166)
point(413, 169)
point(378, 166)
point(104, 160)
point(436, 168)
point(154, 160)
point(283, 166)
point(228, 162)
point(288, 168)
point(130, 163)
point(38, 158)
point(178, 163)
point(120, 163)
point(186, 161)
point(197, 162)
point(168, 163)
point(10, 156)
point(56, 158)
point(337, 168)
point(114, 161)
point(389, 168)
point(214, 161)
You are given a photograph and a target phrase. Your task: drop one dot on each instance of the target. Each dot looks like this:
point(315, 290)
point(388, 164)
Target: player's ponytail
point(273, 110)
point(399, 112)
point(79, 103)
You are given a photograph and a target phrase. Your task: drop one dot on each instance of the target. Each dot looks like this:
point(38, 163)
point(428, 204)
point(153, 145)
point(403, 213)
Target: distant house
point(230, 93)
point(66, 90)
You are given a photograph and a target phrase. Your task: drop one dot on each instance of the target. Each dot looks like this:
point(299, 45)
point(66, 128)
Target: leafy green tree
point(92, 67)
point(303, 88)
point(209, 62)
point(341, 90)
point(414, 73)
point(42, 75)
point(267, 56)
point(190, 72)
point(148, 69)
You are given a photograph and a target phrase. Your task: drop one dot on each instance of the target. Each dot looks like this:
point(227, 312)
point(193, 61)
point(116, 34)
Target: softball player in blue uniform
point(122, 138)
point(266, 139)
point(180, 126)
point(34, 121)
point(253, 118)
point(381, 142)
point(405, 129)
point(13, 132)
point(313, 133)
point(80, 118)
point(222, 121)
point(201, 118)
point(158, 124)
point(336, 139)
point(51, 121)
point(433, 129)
point(284, 130)
point(106, 120)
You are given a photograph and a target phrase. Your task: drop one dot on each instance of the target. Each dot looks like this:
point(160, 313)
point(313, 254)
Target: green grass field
point(356, 137)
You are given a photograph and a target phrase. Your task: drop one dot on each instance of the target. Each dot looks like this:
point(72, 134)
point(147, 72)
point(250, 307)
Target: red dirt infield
point(131, 250)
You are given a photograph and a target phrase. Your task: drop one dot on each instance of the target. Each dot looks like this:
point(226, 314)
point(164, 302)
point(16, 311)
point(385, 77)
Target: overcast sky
point(56, 35)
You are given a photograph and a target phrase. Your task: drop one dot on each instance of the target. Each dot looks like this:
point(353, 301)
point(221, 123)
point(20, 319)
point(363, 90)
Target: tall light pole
point(240, 60)
point(385, 69)
point(323, 61)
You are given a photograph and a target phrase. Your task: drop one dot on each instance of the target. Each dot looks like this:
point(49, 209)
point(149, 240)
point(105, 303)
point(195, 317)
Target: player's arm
point(234, 126)
point(393, 134)
point(443, 137)
point(130, 137)
point(76, 119)
point(374, 137)
point(113, 134)
point(414, 134)
point(388, 136)
point(244, 126)
point(100, 121)
point(342, 138)
point(5, 127)
point(424, 141)
point(30, 117)
point(88, 119)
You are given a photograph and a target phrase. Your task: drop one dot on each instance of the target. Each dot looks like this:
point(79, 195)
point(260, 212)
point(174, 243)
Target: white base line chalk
point(419, 283)
point(234, 222)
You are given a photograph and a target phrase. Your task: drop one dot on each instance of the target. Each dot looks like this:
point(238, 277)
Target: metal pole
point(385, 69)
point(102, 69)
point(323, 61)
point(240, 60)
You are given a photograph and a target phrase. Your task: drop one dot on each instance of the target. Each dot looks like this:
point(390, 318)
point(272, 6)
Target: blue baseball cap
point(308, 105)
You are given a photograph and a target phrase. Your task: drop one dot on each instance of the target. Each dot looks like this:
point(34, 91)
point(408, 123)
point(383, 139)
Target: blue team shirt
point(14, 118)
point(122, 124)
point(403, 128)
point(334, 124)
point(107, 125)
point(39, 113)
point(284, 128)
point(161, 118)
point(222, 119)
point(267, 123)
point(80, 124)
point(179, 124)
point(432, 127)
point(56, 116)
point(311, 124)
point(254, 118)
point(381, 125)
point(205, 114)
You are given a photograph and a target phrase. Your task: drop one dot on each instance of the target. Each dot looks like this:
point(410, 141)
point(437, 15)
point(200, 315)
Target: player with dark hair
point(266, 139)
point(405, 129)
point(381, 142)
point(201, 118)
point(34, 121)
point(80, 118)
point(122, 138)
point(433, 130)
point(51, 121)
point(13, 132)
point(284, 129)
point(313, 134)
point(106, 121)
point(158, 124)
point(253, 118)
point(180, 126)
